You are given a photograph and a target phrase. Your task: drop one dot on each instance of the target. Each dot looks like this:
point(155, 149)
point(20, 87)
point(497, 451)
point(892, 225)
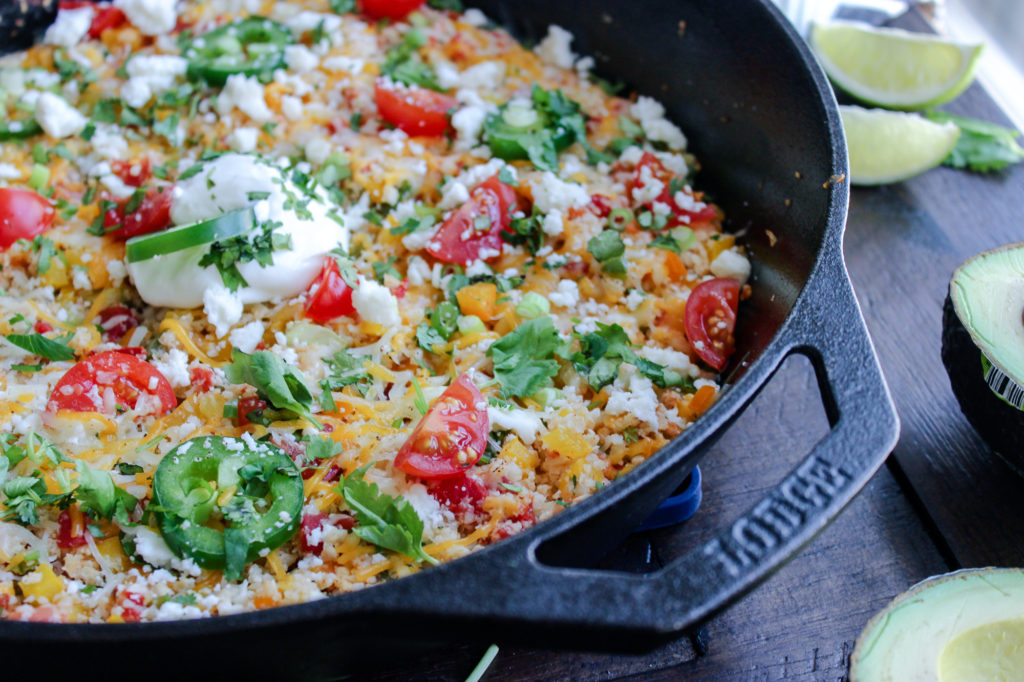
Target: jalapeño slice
point(251, 47)
point(184, 237)
point(222, 501)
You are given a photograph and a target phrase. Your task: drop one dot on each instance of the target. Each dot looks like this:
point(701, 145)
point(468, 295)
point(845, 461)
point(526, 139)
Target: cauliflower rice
point(393, 258)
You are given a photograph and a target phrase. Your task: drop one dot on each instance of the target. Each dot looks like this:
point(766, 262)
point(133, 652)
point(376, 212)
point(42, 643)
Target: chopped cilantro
point(388, 522)
point(524, 359)
point(37, 344)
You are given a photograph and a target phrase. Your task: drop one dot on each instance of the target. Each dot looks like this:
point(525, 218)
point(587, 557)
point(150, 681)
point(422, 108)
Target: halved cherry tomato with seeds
point(452, 435)
point(417, 111)
point(153, 213)
point(111, 381)
point(116, 321)
point(23, 215)
point(650, 170)
point(710, 318)
point(473, 231)
point(329, 295)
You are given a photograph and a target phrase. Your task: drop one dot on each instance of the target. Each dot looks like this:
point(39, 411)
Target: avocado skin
point(999, 424)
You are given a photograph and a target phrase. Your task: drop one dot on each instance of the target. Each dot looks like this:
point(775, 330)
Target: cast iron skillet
point(763, 121)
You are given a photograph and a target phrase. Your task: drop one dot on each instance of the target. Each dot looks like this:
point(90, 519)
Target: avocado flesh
point(988, 297)
point(947, 629)
point(991, 652)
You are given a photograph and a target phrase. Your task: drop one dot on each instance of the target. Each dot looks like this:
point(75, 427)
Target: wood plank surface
point(944, 501)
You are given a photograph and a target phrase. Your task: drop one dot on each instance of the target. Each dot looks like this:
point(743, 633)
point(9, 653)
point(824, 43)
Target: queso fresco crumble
point(298, 297)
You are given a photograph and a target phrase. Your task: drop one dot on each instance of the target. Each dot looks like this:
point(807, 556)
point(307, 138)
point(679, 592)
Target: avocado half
point(959, 627)
point(983, 347)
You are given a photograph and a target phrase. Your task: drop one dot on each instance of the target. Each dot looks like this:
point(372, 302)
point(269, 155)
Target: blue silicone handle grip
point(679, 507)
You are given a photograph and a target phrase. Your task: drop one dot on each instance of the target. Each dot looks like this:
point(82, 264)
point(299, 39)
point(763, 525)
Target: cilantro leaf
point(258, 246)
point(603, 351)
point(277, 383)
point(607, 249)
point(318, 447)
point(983, 147)
point(388, 522)
point(524, 359)
point(402, 64)
point(526, 232)
point(345, 369)
point(97, 494)
point(37, 344)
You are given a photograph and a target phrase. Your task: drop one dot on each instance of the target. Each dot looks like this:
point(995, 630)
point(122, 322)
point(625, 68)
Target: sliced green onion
point(40, 176)
point(620, 218)
point(684, 236)
point(470, 324)
point(184, 237)
point(520, 116)
point(546, 396)
point(533, 306)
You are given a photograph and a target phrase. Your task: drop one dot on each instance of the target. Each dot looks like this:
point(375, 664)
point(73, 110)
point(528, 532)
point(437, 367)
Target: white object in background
point(801, 13)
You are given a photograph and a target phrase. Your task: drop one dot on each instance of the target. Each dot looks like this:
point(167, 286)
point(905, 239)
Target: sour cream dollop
point(225, 184)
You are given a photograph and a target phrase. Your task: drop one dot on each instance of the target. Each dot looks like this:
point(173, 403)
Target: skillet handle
point(639, 609)
point(831, 332)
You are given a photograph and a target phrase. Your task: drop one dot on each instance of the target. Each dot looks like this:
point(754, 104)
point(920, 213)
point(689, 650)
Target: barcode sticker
point(1002, 385)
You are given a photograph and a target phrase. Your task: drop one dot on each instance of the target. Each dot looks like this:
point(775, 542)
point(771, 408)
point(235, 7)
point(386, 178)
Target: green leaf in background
point(983, 147)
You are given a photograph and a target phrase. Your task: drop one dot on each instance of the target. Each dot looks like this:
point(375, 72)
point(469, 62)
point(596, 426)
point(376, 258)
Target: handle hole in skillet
point(773, 434)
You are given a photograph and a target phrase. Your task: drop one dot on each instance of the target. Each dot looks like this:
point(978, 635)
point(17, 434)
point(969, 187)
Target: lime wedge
point(892, 68)
point(889, 146)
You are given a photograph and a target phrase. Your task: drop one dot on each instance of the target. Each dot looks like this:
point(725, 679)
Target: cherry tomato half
point(84, 387)
point(329, 296)
point(710, 318)
point(460, 239)
point(133, 173)
point(682, 215)
point(103, 18)
point(152, 214)
point(416, 111)
point(451, 437)
point(389, 9)
point(23, 215)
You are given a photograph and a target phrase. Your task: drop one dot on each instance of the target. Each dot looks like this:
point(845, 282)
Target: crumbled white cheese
point(300, 58)
point(70, 27)
point(222, 308)
point(467, 122)
point(731, 264)
point(151, 17)
point(244, 139)
point(58, 118)
point(657, 128)
point(475, 17)
point(453, 194)
point(567, 295)
point(304, 22)
point(108, 142)
point(552, 224)
point(375, 303)
point(318, 149)
point(8, 171)
point(673, 359)
point(340, 62)
point(247, 337)
point(525, 423)
point(555, 48)
point(638, 399)
point(634, 298)
point(418, 272)
point(174, 367)
point(291, 107)
point(150, 74)
point(246, 94)
point(550, 193)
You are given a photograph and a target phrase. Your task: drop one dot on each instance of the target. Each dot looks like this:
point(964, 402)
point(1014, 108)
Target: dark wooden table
point(943, 501)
